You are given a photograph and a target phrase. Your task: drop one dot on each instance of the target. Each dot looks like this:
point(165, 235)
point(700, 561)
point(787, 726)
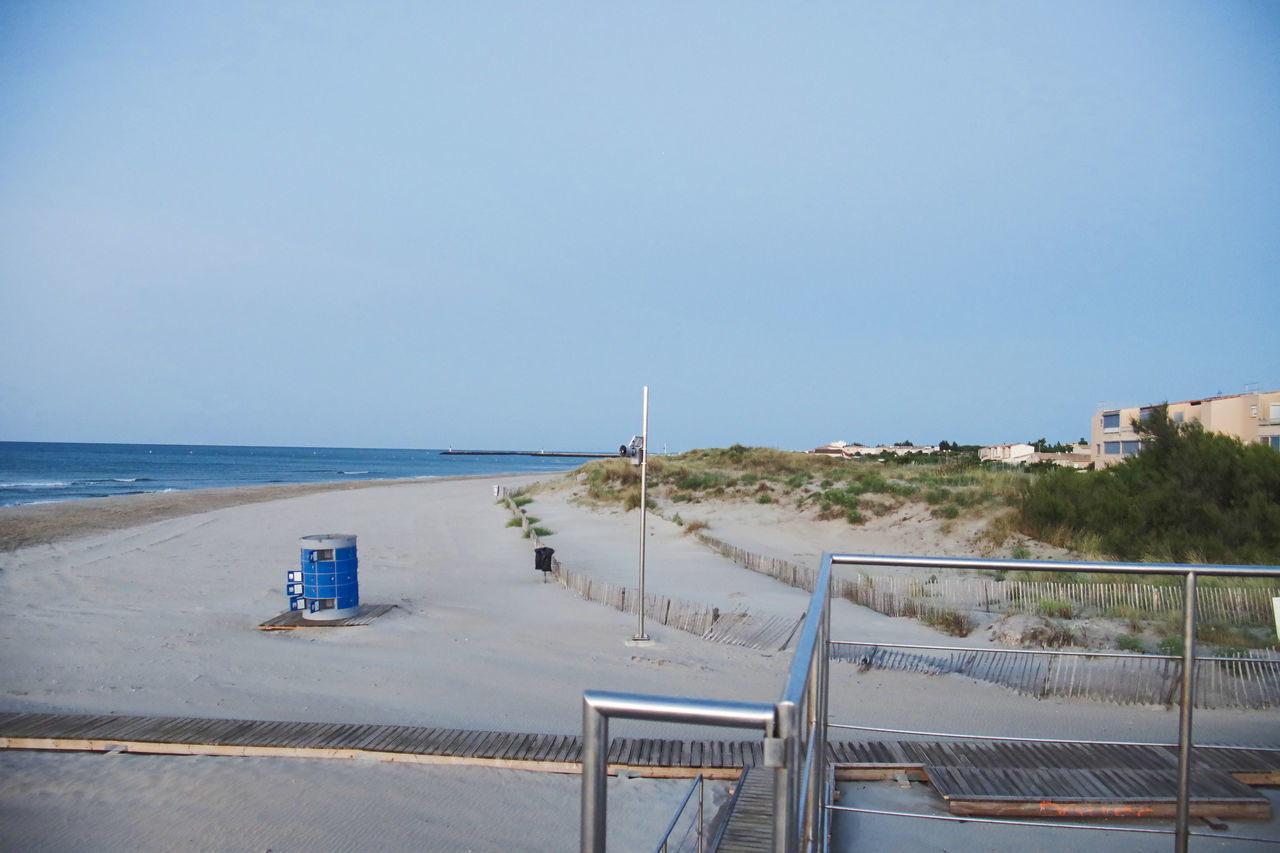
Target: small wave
point(101, 480)
point(353, 472)
point(35, 485)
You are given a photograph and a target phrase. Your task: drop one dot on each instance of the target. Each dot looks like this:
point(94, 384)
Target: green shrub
point(867, 482)
point(949, 621)
point(696, 482)
point(901, 490)
point(852, 516)
point(795, 481)
point(1056, 607)
point(764, 498)
point(522, 500)
point(1020, 551)
point(1129, 643)
point(514, 521)
point(948, 511)
point(937, 496)
point(540, 531)
point(1189, 494)
point(1171, 646)
point(678, 520)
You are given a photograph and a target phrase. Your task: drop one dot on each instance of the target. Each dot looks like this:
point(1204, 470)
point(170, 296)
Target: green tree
point(1188, 493)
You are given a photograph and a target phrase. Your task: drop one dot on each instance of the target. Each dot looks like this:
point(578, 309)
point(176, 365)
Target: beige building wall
point(1253, 417)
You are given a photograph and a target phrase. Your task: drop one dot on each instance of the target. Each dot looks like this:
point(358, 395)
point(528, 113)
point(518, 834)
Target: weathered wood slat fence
point(1245, 682)
point(1125, 679)
point(899, 595)
point(738, 628)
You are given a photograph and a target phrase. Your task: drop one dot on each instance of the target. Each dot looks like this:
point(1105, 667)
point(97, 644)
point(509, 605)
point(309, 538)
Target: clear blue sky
point(490, 224)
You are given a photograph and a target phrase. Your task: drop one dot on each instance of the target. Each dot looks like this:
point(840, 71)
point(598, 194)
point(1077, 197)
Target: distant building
point(1025, 454)
point(849, 451)
point(1011, 453)
point(1253, 417)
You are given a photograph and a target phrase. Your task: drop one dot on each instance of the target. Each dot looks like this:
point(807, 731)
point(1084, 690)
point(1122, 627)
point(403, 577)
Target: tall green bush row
point(1189, 496)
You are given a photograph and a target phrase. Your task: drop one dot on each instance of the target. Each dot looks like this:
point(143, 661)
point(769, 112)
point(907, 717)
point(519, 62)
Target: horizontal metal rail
point(1053, 652)
point(1054, 566)
point(1009, 739)
point(1004, 821)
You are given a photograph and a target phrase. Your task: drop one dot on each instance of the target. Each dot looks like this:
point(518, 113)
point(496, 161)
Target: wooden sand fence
point(1249, 681)
point(736, 628)
point(900, 595)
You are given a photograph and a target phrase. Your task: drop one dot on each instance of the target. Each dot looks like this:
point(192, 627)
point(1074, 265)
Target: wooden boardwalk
point(1042, 779)
point(749, 825)
point(650, 757)
point(1070, 780)
point(291, 619)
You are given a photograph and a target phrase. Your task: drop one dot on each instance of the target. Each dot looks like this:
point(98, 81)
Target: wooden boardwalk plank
point(986, 778)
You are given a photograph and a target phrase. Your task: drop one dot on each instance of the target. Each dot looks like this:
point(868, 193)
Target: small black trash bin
point(542, 560)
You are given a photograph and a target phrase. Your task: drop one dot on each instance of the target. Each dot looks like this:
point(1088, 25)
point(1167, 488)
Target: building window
point(1111, 420)
point(1111, 448)
point(1145, 412)
point(1129, 448)
point(1274, 441)
point(1177, 417)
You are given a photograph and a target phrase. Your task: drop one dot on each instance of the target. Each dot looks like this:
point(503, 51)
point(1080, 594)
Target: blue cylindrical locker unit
point(329, 576)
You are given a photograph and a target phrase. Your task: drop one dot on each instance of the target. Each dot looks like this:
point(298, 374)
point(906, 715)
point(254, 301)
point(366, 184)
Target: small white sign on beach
point(1275, 604)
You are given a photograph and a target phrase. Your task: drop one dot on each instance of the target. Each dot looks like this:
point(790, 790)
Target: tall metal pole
point(1182, 819)
point(644, 463)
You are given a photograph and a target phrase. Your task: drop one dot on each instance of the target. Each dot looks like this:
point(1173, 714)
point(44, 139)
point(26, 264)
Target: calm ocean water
point(34, 472)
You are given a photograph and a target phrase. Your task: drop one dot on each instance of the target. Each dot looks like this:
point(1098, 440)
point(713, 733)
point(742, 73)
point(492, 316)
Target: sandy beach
point(150, 605)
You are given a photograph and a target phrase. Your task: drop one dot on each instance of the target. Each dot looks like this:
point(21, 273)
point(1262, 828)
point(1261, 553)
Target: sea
point(40, 472)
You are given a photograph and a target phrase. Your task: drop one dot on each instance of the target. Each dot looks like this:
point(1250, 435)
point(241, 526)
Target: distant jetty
point(575, 454)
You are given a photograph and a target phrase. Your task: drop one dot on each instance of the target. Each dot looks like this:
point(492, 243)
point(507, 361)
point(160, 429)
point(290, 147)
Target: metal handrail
point(1050, 652)
point(794, 730)
point(666, 836)
point(1055, 740)
point(1188, 572)
point(795, 726)
point(598, 706)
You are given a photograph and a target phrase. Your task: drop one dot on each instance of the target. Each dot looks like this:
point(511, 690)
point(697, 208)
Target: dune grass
point(829, 487)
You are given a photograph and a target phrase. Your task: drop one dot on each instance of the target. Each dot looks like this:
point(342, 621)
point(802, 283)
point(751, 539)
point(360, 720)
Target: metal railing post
point(595, 775)
point(1182, 827)
point(816, 822)
point(786, 779)
point(700, 787)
